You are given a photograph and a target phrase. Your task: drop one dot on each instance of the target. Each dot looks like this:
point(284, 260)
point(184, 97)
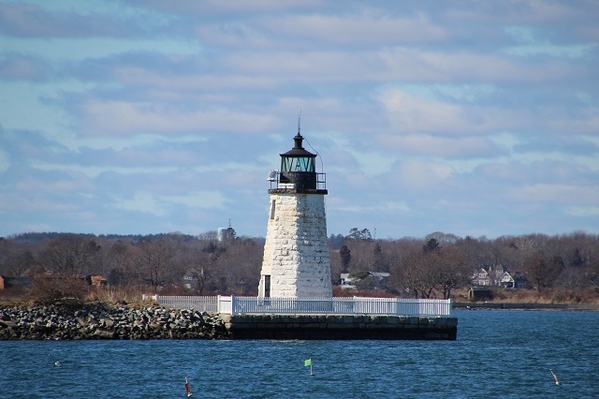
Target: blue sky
point(475, 118)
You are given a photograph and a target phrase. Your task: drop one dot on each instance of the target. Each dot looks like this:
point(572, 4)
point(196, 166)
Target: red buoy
point(187, 388)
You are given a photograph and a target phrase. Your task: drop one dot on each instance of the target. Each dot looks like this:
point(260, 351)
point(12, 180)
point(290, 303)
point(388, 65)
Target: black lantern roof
point(298, 150)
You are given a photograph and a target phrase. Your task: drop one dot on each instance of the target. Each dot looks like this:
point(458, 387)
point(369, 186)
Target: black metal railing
point(281, 181)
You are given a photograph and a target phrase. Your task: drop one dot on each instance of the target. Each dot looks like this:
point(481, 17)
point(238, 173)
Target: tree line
point(433, 266)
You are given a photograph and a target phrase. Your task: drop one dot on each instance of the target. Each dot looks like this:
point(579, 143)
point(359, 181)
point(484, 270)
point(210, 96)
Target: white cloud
point(128, 118)
point(120, 143)
point(558, 193)
point(144, 202)
point(163, 205)
point(427, 144)
point(467, 93)
point(410, 113)
point(198, 199)
point(365, 29)
point(60, 50)
point(385, 206)
point(567, 51)
point(65, 186)
point(532, 46)
point(583, 211)
point(415, 64)
point(373, 163)
point(506, 139)
point(94, 171)
point(400, 206)
point(412, 174)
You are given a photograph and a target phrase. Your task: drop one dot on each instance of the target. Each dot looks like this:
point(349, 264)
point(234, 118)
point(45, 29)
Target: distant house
point(498, 277)
point(520, 281)
point(347, 282)
point(481, 278)
point(491, 277)
point(190, 280)
point(507, 281)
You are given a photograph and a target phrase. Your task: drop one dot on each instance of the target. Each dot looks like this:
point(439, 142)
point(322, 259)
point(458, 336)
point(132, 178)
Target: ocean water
point(498, 354)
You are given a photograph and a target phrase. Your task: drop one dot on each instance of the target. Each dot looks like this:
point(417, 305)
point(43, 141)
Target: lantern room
point(298, 170)
point(298, 159)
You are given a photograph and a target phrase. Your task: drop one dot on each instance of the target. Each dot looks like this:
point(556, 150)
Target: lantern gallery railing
point(276, 182)
point(353, 305)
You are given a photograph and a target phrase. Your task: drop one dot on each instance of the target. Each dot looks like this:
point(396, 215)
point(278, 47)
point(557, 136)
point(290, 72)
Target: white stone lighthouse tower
point(296, 261)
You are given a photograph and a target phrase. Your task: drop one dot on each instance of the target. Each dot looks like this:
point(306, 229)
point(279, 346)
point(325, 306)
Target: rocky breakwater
point(97, 321)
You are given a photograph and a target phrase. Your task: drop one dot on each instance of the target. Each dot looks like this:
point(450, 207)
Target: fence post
point(233, 304)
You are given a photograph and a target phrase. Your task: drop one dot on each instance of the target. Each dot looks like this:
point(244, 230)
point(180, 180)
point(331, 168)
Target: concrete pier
point(340, 327)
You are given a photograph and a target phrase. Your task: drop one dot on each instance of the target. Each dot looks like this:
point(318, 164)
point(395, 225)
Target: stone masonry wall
point(338, 327)
point(296, 254)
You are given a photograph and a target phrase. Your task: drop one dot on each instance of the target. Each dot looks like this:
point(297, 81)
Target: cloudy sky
point(469, 117)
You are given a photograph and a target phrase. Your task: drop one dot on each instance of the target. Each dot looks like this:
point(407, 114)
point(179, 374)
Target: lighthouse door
point(267, 286)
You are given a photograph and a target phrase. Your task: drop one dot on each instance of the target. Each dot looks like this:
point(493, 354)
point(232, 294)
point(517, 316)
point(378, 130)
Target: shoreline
point(97, 321)
point(525, 306)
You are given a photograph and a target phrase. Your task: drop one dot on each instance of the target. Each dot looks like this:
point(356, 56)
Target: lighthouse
point(296, 261)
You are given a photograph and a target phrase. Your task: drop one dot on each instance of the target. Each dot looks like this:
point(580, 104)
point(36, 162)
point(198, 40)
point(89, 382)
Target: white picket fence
point(341, 306)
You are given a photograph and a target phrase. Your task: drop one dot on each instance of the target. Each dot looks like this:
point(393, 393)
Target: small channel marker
point(187, 388)
point(554, 377)
point(308, 362)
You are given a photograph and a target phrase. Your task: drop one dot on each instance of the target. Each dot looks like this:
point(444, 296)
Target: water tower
point(296, 261)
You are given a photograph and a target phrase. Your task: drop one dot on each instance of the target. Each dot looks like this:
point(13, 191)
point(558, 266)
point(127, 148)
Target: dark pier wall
point(328, 327)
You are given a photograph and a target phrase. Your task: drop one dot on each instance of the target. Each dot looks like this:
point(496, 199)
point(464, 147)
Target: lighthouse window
point(272, 209)
point(297, 164)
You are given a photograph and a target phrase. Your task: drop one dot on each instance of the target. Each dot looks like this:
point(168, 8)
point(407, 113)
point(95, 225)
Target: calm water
point(498, 354)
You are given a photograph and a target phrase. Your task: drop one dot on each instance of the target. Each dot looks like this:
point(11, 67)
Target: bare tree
point(201, 260)
point(449, 268)
point(541, 272)
point(241, 266)
point(16, 259)
point(379, 259)
point(591, 273)
point(417, 275)
point(154, 261)
point(571, 278)
point(69, 255)
point(119, 265)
